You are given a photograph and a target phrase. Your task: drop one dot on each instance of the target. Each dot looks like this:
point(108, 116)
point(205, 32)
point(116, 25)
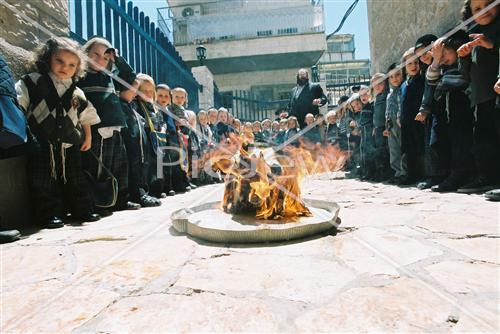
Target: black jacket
point(301, 105)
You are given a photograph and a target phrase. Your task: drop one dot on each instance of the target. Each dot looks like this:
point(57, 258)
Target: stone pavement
point(403, 261)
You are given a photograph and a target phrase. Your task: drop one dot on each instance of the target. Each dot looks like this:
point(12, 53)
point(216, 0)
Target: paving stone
point(464, 277)
point(24, 265)
point(63, 310)
point(477, 317)
point(289, 278)
point(403, 306)
point(132, 272)
point(200, 312)
point(396, 249)
point(475, 248)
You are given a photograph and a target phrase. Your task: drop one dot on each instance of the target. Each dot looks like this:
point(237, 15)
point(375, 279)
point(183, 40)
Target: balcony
point(221, 21)
point(252, 36)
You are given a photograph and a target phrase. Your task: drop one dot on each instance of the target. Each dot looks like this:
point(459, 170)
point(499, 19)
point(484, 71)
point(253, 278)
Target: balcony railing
point(213, 22)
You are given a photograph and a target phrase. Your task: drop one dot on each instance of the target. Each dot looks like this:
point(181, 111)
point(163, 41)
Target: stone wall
point(18, 38)
point(395, 26)
point(206, 79)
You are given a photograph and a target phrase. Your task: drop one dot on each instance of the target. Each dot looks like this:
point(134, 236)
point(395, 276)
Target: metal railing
point(248, 108)
point(337, 88)
point(139, 41)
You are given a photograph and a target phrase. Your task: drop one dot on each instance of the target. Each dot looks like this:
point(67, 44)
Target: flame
point(267, 183)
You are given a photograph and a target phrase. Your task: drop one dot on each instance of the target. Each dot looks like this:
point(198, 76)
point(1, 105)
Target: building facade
point(339, 69)
point(252, 46)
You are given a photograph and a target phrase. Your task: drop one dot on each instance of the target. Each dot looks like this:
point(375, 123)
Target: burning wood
point(267, 184)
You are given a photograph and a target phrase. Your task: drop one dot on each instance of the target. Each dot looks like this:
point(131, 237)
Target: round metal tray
point(209, 222)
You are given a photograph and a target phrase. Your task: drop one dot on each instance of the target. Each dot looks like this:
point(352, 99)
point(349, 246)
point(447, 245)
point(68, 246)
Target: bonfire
point(266, 183)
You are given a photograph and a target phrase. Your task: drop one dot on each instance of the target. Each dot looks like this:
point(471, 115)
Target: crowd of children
point(433, 120)
point(104, 138)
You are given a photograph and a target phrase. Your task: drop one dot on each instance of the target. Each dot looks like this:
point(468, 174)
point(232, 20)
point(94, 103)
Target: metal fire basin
point(210, 223)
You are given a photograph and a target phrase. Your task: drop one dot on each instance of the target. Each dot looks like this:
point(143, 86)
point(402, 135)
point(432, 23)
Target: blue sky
point(356, 24)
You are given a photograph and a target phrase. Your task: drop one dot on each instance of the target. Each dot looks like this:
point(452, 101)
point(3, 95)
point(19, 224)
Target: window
point(264, 33)
point(335, 47)
point(287, 31)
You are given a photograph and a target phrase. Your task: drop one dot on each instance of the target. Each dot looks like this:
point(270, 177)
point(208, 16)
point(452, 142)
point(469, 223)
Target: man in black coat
point(306, 98)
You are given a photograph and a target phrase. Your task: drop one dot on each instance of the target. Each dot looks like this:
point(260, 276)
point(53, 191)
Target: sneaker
point(479, 185)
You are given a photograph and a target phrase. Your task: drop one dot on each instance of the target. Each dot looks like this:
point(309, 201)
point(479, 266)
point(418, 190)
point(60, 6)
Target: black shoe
point(450, 184)
point(493, 195)
point(92, 217)
point(163, 195)
point(9, 236)
point(407, 181)
point(171, 193)
point(130, 206)
point(394, 180)
point(88, 218)
point(425, 185)
point(147, 201)
point(479, 185)
point(54, 222)
point(104, 213)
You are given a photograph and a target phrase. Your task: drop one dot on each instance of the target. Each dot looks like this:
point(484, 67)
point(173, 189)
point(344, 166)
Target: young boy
point(393, 123)
point(435, 128)
point(380, 147)
point(412, 131)
point(479, 62)
point(266, 130)
point(367, 149)
point(331, 131)
point(138, 150)
point(450, 87)
point(311, 135)
point(212, 119)
point(181, 139)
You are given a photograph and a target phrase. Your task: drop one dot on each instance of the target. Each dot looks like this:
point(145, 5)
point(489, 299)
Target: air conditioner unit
point(190, 11)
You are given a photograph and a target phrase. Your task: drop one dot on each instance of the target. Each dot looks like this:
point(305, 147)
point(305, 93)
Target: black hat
point(456, 40)
point(119, 87)
point(343, 99)
point(425, 41)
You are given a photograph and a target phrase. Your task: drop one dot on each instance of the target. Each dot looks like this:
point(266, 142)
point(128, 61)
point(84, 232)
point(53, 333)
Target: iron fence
point(139, 41)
